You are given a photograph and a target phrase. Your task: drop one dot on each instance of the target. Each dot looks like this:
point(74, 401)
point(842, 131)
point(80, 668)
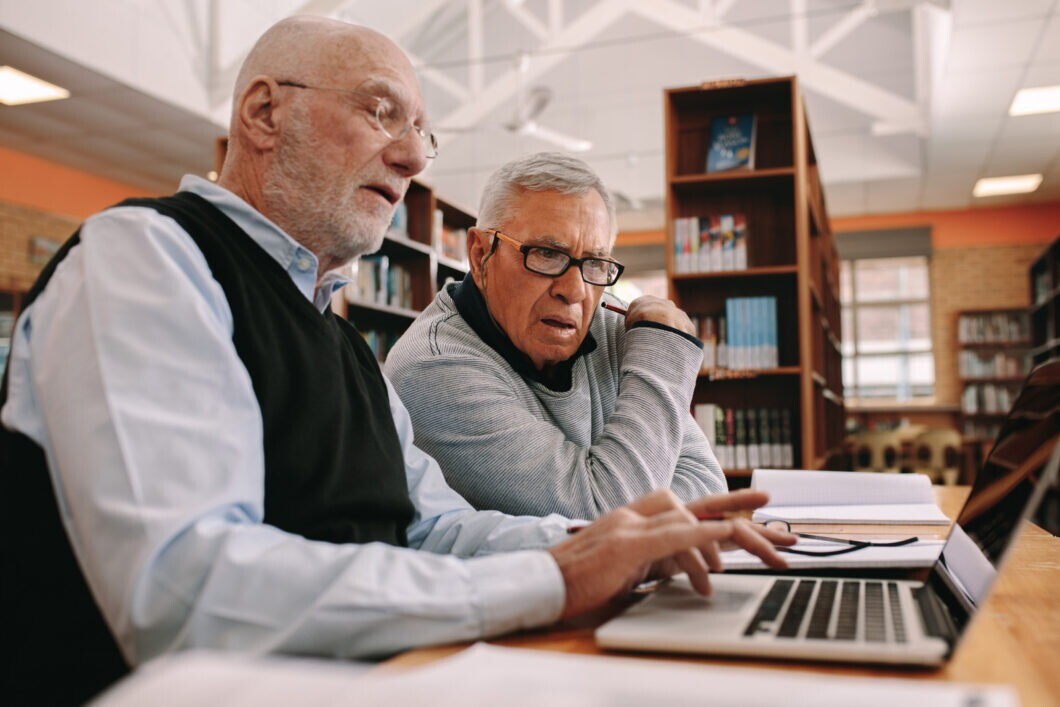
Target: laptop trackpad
point(681, 597)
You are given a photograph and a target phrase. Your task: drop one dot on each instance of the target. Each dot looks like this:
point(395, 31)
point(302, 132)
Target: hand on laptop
point(657, 536)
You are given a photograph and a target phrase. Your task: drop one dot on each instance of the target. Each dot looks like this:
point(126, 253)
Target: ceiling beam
point(799, 29)
point(474, 45)
point(838, 85)
point(543, 59)
point(846, 24)
point(534, 25)
point(555, 15)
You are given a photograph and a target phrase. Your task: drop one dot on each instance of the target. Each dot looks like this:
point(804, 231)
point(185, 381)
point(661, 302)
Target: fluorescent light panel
point(18, 87)
point(1016, 184)
point(1030, 101)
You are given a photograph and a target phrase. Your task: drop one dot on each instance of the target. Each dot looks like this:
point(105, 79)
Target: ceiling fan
point(529, 106)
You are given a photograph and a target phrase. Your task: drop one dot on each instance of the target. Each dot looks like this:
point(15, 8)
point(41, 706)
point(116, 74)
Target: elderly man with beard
point(197, 453)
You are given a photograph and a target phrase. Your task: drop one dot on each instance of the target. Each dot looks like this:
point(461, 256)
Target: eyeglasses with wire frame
point(851, 545)
point(389, 115)
point(554, 263)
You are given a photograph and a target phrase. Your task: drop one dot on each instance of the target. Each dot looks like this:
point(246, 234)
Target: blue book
point(732, 143)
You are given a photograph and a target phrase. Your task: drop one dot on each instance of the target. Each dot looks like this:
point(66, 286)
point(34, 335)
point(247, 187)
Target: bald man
point(197, 453)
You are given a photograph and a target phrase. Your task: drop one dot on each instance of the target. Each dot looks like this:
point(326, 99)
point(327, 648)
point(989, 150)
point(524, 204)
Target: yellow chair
point(937, 453)
point(877, 450)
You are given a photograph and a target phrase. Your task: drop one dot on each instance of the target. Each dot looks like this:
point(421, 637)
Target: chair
point(937, 453)
point(877, 450)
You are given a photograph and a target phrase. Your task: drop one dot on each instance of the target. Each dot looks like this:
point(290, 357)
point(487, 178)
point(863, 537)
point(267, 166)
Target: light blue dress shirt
point(124, 372)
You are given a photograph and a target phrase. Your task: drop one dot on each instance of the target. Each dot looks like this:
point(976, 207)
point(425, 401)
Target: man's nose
point(407, 156)
point(569, 286)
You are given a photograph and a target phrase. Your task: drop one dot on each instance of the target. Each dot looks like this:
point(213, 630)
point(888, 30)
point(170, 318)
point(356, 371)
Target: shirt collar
point(472, 307)
point(298, 261)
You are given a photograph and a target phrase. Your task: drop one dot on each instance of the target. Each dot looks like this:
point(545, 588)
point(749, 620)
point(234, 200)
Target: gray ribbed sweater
point(506, 443)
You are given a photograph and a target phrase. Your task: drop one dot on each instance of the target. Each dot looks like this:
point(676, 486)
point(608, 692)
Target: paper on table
point(486, 676)
point(846, 497)
point(922, 553)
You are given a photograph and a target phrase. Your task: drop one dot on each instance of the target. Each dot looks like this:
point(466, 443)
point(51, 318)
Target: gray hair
point(543, 171)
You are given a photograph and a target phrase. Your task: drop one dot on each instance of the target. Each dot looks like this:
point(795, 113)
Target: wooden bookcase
point(791, 257)
point(993, 359)
point(416, 248)
point(10, 306)
point(1045, 304)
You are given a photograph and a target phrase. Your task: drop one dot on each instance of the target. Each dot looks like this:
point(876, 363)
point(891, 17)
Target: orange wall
point(1001, 225)
point(54, 188)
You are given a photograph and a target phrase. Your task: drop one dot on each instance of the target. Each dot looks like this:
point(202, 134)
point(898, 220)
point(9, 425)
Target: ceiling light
point(1016, 184)
point(1029, 101)
point(17, 87)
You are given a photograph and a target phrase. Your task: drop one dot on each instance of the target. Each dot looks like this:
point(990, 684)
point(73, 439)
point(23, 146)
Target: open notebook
point(800, 496)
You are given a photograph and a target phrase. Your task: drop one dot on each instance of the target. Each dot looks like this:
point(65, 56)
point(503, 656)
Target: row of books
point(996, 327)
point(1043, 286)
point(974, 364)
point(748, 438)
point(982, 430)
point(448, 241)
point(378, 281)
point(988, 398)
point(744, 338)
point(710, 243)
point(380, 341)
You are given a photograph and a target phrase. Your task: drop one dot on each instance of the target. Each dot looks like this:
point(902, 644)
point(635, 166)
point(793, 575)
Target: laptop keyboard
point(838, 611)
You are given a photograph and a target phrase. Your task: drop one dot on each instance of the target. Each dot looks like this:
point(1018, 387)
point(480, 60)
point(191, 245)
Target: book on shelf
point(378, 281)
point(988, 398)
point(732, 142)
point(1002, 364)
point(993, 327)
point(743, 338)
point(448, 241)
point(711, 243)
point(747, 438)
point(846, 497)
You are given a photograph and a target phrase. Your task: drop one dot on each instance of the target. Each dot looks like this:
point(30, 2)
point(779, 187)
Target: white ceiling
point(908, 100)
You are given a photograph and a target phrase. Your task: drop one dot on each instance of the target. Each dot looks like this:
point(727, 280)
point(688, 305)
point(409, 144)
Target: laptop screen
point(1018, 471)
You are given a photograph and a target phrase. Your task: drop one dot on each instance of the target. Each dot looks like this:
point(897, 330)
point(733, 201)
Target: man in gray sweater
point(532, 398)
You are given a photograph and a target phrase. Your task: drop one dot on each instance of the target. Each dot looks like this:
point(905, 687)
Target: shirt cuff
point(657, 325)
point(517, 590)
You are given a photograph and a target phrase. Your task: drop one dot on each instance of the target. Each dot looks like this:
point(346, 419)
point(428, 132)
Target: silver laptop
point(870, 620)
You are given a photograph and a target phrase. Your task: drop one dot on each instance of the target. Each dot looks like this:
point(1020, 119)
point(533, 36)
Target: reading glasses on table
point(851, 545)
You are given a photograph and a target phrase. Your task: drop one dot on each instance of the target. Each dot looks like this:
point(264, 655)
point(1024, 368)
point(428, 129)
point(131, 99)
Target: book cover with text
point(732, 142)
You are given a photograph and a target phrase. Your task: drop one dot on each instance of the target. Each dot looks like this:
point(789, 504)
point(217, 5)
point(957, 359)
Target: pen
point(613, 308)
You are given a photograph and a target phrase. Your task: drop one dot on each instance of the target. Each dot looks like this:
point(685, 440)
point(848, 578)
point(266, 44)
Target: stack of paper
point(487, 676)
point(800, 496)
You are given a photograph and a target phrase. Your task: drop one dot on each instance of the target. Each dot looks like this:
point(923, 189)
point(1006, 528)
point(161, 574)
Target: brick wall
point(18, 226)
point(983, 277)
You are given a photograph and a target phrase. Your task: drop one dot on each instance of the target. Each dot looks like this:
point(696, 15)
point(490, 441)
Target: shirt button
point(304, 263)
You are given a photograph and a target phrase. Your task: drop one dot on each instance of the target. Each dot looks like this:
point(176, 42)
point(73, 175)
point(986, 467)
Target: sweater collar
point(472, 307)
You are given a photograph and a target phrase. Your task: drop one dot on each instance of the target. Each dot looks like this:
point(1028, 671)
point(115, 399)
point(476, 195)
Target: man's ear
point(479, 244)
point(260, 112)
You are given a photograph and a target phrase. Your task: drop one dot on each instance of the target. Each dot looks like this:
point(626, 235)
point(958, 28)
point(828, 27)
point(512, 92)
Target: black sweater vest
point(333, 464)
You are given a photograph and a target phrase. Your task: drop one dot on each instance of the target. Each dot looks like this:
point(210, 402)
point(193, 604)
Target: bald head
point(317, 50)
point(307, 147)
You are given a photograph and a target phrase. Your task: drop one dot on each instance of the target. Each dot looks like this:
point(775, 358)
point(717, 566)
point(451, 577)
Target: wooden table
point(1015, 639)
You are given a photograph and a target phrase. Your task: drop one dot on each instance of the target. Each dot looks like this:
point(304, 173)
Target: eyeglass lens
point(395, 123)
point(595, 271)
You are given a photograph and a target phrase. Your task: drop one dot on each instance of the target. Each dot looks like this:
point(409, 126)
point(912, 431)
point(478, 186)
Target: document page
point(801, 496)
point(922, 553)
point(488, 676)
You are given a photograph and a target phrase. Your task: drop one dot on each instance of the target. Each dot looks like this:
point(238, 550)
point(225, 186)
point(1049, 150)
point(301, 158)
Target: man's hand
point(657, 536)
point(662, 311)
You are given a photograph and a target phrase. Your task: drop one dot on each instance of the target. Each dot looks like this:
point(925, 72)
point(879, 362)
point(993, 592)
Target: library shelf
point(790, 259)
point(389, 309)
point(1045, 303)
point(994, 355)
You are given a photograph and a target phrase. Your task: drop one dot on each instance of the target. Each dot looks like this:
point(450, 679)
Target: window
point(886, 328)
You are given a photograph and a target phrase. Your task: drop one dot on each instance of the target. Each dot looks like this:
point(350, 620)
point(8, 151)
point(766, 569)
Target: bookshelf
point(1045, 304)
point(992, 361)
point(425, 247)
point(789, 261)
point(10, 306)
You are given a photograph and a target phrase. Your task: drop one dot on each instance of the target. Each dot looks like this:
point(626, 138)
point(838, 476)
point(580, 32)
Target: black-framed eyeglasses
point(554, 263)
point(390, 116)
point(852, 545)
